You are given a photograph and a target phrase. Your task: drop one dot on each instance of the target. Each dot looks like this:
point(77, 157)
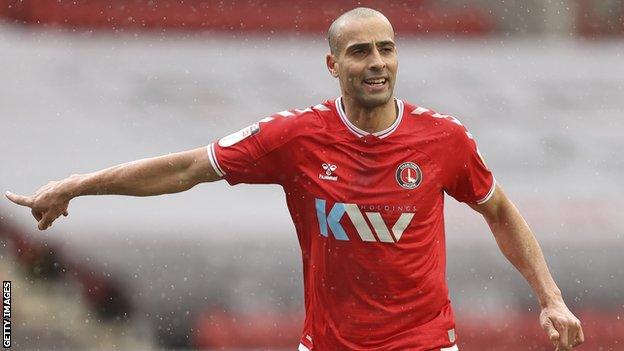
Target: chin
point(375, 100)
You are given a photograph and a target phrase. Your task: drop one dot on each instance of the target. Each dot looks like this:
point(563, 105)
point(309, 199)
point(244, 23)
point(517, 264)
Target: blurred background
point(88, 84)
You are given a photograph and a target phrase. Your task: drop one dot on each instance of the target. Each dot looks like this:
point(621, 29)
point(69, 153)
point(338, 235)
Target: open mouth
point(375, 82)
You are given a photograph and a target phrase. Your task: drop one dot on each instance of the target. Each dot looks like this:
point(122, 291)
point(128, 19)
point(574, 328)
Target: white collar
point(359, 132)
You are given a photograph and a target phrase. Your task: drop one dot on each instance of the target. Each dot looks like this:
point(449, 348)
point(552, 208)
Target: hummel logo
point(329, 169)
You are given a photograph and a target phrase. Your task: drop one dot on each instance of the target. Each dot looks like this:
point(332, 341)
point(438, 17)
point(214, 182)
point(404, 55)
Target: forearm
point(518, 244)
point(152, 176)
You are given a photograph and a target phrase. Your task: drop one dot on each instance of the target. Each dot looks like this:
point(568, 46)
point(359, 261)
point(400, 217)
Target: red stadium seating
point(45, 261)
point(414, 16)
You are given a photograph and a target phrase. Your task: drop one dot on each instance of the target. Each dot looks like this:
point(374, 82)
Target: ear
point(330, 60)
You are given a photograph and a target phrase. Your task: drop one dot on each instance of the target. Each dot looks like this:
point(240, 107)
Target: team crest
point(409, 175)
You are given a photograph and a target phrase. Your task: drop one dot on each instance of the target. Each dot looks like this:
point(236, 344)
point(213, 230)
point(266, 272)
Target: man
point(365, 177)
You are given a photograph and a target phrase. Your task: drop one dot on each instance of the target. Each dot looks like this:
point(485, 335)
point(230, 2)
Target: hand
point(48, 203)
point(562, 327)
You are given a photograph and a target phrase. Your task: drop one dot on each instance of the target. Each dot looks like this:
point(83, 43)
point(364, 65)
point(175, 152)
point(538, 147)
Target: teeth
point(375, 81)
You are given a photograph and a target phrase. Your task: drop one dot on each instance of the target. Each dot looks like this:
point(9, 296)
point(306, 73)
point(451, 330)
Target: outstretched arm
point(166, 174)
point(518, 244)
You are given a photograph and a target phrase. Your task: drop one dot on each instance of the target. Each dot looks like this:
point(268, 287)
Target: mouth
point(375, 82)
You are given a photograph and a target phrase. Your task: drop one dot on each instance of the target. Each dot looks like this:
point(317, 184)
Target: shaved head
point(334, 34)
point(364, 58)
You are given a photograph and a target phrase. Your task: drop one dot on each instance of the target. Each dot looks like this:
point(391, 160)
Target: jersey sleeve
point(255, 154)
point(468, 179)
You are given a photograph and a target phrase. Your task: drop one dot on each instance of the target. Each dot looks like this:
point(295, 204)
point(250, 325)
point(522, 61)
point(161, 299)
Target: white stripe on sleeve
point(213, 160)
point(489, 194)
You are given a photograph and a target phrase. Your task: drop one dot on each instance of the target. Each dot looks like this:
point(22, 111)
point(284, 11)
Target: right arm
point(166, 174)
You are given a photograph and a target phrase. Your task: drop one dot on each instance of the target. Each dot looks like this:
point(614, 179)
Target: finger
point(18, 199)
point(572, 334)
point(46, 221)
point(563, 343)
point(36, 214)
point(65, 213)
point(553, 334)
point(580, 337)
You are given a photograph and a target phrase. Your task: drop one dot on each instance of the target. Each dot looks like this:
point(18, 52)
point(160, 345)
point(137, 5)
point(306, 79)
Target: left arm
point(518, 244)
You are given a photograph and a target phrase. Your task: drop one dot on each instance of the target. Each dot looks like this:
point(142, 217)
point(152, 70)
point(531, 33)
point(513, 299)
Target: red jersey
point(368, 210)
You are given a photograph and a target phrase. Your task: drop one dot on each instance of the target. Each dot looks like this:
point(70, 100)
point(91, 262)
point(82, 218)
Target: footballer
point(365, 176)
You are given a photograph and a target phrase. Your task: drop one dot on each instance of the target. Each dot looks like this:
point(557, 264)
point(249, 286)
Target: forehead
point(364, 30)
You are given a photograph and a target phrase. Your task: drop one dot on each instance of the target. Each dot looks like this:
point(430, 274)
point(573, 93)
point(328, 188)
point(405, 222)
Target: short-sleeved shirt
point(368, 211)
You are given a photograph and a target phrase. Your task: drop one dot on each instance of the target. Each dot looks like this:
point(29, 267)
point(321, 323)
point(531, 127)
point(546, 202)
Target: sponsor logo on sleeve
point(239, 136)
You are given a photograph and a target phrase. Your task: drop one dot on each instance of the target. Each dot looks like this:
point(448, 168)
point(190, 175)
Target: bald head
point(335, 32)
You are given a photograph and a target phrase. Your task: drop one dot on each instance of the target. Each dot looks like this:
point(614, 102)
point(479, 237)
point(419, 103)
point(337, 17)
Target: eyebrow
point(367, 45)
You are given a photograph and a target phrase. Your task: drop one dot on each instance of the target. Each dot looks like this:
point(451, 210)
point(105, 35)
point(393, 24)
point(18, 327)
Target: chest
point(375, 172)
point(354, 186)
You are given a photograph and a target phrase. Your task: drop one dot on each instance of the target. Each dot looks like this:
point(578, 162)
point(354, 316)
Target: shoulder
point(286, 126)
point(435, 124)
point(298, 121)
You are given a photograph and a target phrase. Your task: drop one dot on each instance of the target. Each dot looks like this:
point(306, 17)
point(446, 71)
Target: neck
point(370, 119)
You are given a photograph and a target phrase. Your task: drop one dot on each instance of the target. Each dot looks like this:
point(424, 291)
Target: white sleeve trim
point(489, 194)
point(302, 347)
point(213, 160)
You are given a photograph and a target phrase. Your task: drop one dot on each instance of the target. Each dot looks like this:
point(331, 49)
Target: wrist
point(72, 186)
point(552, 298)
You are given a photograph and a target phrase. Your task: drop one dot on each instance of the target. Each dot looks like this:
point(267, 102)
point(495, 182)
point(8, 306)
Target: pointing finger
point(18, 199)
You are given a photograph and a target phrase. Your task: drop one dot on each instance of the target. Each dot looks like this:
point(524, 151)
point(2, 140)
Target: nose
point(376, 60)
